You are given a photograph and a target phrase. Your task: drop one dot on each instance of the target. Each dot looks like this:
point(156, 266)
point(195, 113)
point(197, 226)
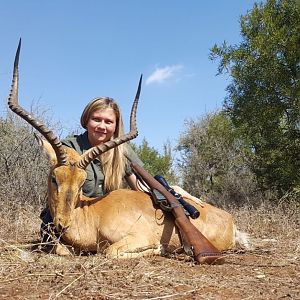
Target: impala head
point(64, 184)
point(67, 174)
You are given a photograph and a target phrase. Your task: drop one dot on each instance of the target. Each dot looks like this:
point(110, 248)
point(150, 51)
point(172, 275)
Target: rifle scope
point(192, 210)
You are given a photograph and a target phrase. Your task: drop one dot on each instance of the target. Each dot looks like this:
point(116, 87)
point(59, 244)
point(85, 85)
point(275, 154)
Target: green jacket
point(94, 183)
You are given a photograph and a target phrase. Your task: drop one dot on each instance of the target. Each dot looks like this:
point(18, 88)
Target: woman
point(102, 121)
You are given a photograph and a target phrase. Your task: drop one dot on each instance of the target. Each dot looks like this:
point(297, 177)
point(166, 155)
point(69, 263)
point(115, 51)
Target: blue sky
point(73, 51)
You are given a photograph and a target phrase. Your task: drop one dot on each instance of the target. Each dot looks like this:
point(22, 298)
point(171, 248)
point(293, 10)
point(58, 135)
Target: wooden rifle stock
point(204, 251)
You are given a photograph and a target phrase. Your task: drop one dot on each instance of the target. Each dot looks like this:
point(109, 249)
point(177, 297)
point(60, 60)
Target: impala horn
point(94, 152)
point(16, 108)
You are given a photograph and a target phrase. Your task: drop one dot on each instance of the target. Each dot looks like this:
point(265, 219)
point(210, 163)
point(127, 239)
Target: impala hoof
point(62, 250)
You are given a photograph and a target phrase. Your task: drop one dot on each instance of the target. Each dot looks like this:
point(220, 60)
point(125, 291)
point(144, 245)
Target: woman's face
point(101, 126)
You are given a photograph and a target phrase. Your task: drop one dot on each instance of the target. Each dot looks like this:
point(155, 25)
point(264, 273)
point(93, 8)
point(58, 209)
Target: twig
point(36, 274)
point(170, 296)
point(19, 246)
point(68, 285)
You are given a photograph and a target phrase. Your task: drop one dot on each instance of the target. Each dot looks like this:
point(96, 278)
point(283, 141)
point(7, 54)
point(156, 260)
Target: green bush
point(213, 162)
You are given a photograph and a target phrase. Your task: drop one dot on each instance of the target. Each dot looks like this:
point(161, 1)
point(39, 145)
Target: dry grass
point(269, 271)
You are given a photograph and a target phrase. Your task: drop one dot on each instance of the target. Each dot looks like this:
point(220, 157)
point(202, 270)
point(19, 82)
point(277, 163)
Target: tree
point(23, 167)
point(156, 163)
point(263, 98)
point(212, 161)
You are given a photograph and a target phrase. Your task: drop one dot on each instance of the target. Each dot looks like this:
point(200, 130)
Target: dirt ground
point(271, 270)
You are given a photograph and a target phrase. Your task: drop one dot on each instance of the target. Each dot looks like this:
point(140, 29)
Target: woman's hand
point(135, 184)
point(186, 195)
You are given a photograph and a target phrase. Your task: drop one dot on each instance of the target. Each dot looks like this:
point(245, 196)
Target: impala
point(123, 223)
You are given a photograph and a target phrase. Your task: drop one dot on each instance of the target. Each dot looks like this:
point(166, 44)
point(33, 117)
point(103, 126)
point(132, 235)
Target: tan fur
point(123, 223)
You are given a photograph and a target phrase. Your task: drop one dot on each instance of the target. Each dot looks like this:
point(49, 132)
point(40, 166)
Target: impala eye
point(53, 179)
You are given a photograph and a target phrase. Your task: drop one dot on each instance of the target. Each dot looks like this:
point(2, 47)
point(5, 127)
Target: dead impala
point(123, 223)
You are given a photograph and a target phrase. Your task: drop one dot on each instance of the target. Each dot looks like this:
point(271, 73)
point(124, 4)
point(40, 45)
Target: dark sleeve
point(93, 185)
point(67, 142)
point(72, 143)
point(132, 157)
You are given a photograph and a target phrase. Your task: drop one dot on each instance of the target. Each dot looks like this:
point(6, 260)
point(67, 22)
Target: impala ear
point(47, 149)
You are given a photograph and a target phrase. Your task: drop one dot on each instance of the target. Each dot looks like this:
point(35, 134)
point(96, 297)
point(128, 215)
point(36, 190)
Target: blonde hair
point(113, 161)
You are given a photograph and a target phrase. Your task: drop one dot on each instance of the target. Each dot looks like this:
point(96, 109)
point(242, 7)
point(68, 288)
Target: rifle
point(189, 209)
point(204, 251)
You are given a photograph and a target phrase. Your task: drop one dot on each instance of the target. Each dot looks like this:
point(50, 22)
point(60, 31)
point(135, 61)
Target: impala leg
point(132, 247)
point(53, 244)
point(50, 239)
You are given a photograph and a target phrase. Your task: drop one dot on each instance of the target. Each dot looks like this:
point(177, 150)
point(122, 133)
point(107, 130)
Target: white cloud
point(162, 74)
